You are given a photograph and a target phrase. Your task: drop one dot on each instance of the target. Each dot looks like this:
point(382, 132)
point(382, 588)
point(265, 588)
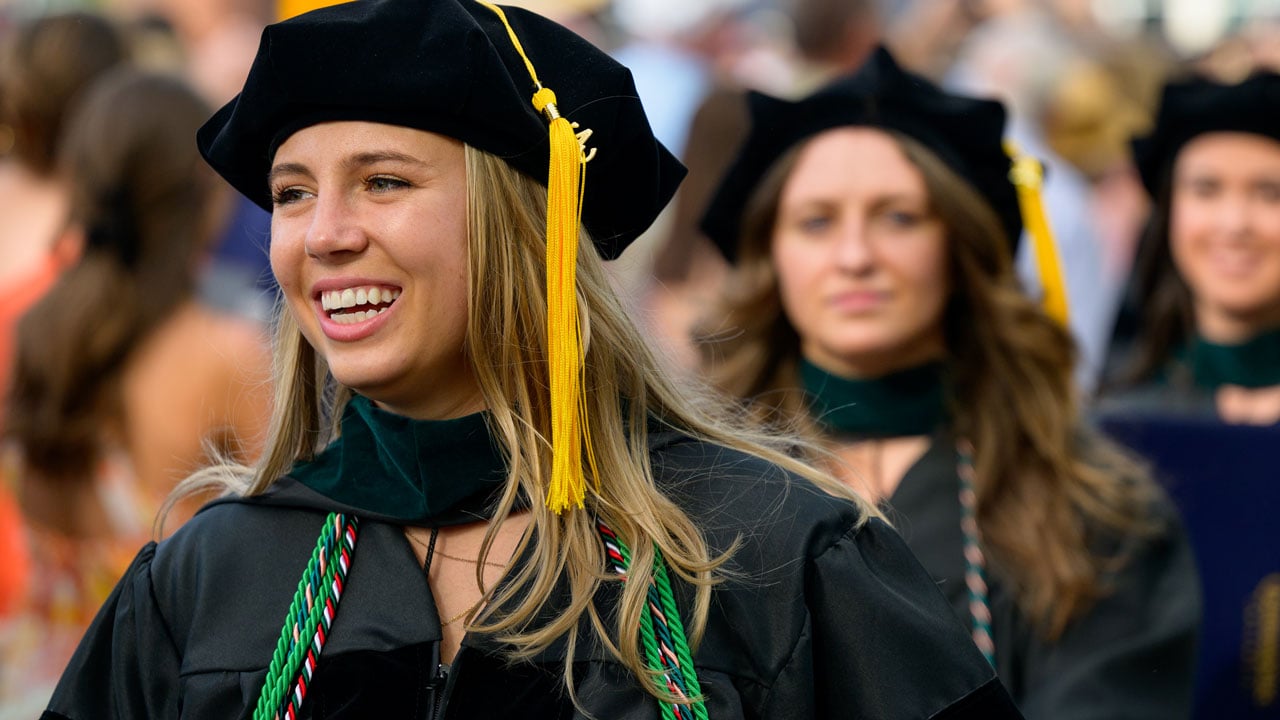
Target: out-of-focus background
point(1080, 78)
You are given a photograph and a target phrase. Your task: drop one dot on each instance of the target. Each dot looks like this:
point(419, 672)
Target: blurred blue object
point(1225, 480)
point(238, 279)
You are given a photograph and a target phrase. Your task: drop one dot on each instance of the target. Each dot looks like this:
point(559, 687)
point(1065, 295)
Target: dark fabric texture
point(1131, 656)
point(423, 472)
point(1171, 392)
point(449, 67)
point(1251, 364)
point(1192, 107)
point(1186, 387)
point(823, 616)
point(966, 133)
point(902, 403)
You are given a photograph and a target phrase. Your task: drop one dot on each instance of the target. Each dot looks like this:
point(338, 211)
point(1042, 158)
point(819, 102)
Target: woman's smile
point(351, 312)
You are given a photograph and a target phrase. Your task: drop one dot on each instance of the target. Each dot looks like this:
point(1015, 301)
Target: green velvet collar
point(900, 404)
point(421, 472)
point(1252, 364)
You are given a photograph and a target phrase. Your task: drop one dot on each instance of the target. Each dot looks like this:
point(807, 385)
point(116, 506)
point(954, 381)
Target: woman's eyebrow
point(368, 158)
point(350, 162)
point(287, 169)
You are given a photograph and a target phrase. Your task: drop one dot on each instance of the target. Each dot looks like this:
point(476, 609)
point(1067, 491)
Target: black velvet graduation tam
point(1192, 107)
point(448, 66)
point(966, 133)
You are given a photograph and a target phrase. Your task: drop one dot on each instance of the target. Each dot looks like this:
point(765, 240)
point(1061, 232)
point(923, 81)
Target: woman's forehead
point(356, 134)
point(853, 159)
point(1236, 149)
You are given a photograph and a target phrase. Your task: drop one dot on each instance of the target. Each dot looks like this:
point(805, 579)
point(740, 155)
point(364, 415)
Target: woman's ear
point(68, 246)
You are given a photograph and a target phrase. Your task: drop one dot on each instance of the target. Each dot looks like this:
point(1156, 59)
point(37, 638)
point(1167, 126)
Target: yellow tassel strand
point(286, 9)
point(569, 426)
point(1027, 177)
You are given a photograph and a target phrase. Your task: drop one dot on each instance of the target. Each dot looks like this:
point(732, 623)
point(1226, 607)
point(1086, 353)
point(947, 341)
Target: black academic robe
point(822, 616)
point(1158, 398)
point(1131, 656)
point(1172, 393)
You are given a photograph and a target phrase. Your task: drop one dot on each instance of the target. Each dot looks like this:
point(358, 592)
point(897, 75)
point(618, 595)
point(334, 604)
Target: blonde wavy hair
point(625, 386)
point(1053, 497)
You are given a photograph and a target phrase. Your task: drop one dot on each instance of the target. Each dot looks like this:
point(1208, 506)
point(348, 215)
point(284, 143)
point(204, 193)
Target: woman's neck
point(1223, 328)
point(34, 211)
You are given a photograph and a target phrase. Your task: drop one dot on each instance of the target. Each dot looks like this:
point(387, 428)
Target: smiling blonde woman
point(510, 511)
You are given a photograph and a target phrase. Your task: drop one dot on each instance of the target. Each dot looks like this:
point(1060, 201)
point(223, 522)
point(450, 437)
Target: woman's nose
point(852, 251)
point(334, 231)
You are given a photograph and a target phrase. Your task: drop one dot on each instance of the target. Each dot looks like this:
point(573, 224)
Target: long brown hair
point(625, 386)
point(1160, 298)
point(1050, 494)
point(46, 64)
point(145, 200)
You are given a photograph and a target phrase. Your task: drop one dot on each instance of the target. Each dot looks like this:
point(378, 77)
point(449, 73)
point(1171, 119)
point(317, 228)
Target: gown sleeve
point(127, 663)
point(883, 639)
point(1132, 655)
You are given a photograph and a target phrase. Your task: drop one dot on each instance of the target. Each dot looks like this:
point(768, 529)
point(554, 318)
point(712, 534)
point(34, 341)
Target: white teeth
point(358, 316)
point(354, 296)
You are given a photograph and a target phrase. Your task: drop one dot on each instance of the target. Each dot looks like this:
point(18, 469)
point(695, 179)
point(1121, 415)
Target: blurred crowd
point(136, 289)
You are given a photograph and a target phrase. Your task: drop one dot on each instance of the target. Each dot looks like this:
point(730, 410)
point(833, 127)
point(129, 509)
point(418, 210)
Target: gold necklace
point(414, 539)
point(431, 551)
point(462, 614)
point(487, 563)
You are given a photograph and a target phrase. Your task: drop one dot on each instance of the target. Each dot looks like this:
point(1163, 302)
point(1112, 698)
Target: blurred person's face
point(1224, 232)
point(369, 246)
point(860, 257)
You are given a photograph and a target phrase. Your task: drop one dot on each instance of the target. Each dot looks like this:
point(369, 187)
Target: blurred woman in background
point(1207, 279)
point(45, 64)
point(873, 303)
point(122, 380)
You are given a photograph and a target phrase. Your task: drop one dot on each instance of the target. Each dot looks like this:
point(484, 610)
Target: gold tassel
point(286, 9)
point(569, 426)
point(1027, 177)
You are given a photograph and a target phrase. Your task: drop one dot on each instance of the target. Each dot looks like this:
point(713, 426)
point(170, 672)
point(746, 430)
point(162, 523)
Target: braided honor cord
point(307, 624)
point(975, 563)
point(661, 633)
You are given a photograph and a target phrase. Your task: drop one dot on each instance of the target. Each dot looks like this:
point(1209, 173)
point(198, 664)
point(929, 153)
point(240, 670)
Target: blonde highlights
point(625, 389)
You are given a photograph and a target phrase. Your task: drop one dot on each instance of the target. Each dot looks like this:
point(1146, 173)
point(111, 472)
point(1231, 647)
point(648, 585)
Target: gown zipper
point(438, 684)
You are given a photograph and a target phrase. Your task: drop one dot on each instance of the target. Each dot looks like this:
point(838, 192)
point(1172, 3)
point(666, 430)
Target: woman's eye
point(813, 223)
point(1269, 191)
point(287, 195)
point(1203, 187)
point(903, 218)
point(385, 183)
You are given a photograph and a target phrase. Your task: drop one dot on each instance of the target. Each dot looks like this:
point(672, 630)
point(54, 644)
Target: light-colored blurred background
point(1080, 77)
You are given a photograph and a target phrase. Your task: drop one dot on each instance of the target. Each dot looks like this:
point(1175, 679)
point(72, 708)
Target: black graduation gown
point(1172, 393)
point(1176, 397)
point(1131, 656)
point(822, 618)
